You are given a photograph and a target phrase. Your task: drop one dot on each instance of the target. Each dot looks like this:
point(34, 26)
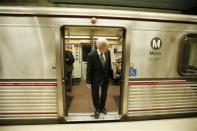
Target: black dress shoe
point(104, 111)
point(96, 114)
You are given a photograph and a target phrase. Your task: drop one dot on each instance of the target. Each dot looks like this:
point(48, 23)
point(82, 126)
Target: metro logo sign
point(156, 43)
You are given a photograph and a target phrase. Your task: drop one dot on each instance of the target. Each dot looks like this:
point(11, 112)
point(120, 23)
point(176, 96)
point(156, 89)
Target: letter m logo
point(156, 43)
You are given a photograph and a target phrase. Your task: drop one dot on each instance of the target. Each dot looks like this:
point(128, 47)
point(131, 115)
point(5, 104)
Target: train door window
point(188, 60)
point(86, 48)
point(81, 41)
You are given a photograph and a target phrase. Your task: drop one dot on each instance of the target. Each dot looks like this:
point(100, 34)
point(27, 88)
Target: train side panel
point(28, 86)
point(156, 88)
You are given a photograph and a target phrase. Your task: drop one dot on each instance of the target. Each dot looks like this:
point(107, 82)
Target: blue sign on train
point(132, 71)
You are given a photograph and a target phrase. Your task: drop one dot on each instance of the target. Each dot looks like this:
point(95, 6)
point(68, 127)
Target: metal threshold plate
point(90, 116)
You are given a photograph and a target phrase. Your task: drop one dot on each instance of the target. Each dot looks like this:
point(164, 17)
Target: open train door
point(81, 40)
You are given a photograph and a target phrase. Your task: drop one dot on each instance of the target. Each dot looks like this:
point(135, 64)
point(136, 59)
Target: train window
point(85, 50)
point(188, 59)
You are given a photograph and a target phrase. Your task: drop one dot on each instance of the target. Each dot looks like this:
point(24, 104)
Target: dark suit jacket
point(69, 60)
point(96, 72)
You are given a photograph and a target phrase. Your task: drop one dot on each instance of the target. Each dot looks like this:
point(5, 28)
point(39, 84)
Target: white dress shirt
point(99, 53)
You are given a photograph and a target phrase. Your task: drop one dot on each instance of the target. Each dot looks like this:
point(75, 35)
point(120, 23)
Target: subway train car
point(154, 61)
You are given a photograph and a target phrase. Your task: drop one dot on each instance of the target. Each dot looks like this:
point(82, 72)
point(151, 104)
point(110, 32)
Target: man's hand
point(88, 85)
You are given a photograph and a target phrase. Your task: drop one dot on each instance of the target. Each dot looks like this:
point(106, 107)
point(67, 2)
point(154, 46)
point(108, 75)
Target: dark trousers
point(99, 101)
point(68, 80)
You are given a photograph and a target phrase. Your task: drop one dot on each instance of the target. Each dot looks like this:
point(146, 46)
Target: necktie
point(102, 59)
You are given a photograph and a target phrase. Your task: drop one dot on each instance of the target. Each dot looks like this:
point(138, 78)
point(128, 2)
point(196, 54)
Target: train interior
point(78, 101)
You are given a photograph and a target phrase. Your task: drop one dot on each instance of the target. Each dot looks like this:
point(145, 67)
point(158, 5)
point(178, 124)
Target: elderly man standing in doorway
point(98, 73)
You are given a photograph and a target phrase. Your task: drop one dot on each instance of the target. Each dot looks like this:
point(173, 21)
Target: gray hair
point(101, 41)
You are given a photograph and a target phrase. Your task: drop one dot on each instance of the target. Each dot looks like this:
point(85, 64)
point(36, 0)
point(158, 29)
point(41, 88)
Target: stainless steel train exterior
point(154, 83)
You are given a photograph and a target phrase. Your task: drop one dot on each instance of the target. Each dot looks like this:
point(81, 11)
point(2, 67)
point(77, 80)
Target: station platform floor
point(183, 124)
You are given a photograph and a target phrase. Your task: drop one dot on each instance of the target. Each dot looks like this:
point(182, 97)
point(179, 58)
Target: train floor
point(80, 99)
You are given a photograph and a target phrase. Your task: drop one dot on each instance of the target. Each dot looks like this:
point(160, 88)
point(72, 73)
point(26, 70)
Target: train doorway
point(81, 40)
